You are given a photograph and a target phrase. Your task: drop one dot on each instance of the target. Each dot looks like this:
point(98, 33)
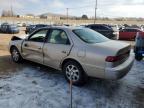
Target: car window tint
point(126, 30)
point(90, 36)
point(131, 30)
point(134, 30)
point(38, 36)
point(103, 27)
point(99, 27)
point(94, 27)
point(58, 37)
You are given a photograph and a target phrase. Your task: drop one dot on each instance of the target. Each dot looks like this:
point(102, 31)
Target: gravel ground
point(30, 85)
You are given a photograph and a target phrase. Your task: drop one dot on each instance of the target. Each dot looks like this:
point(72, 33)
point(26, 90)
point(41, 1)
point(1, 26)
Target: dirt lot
point(5, 38)
point(30, 85)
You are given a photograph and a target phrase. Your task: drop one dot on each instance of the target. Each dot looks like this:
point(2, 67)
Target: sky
point(105, 8)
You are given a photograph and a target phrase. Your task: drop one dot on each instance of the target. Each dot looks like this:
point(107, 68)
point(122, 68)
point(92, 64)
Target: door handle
point(26, 45)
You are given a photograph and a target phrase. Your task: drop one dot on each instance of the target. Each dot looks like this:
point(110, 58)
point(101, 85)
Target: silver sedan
point(78, 52)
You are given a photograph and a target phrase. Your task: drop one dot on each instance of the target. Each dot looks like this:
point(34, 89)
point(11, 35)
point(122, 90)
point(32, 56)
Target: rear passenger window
point(94, 27)
point(134, 30)
point(99, 27)
point(127, 30)
point(131, 30)
point(103, 28)
point(58, 37)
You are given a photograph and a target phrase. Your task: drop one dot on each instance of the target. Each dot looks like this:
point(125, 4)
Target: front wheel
point(74, 72)
point(16, 57)
point(138, 57)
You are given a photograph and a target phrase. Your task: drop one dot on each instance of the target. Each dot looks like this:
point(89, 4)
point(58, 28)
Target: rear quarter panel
point(92, 60)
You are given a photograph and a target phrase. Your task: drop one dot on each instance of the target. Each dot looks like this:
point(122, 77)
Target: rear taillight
point(116, 58)
point(112, 58)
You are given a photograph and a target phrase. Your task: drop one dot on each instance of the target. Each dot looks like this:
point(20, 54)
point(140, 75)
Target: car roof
point(96, 25)
point(63, 27)
point(131, 28)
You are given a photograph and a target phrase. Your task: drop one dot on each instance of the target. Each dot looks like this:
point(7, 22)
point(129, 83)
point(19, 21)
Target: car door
point(133, 33)
point(32, 48)
point(123, 34)
point(56, 48)
point(130, 34)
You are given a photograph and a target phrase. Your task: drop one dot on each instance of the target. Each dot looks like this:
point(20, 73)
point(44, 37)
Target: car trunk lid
point(116, 52)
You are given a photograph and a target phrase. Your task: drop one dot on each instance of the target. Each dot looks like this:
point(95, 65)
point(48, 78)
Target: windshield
point(90, 36)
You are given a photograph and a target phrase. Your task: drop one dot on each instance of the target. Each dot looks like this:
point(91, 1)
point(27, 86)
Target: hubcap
point(15, 55)
point(72, 73)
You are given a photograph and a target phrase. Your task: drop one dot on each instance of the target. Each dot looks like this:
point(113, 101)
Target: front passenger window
point(39, 36)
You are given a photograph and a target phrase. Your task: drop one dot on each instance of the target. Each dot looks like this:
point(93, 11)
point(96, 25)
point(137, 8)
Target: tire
point(138, 57)
point(15, 55)
point(78, 75)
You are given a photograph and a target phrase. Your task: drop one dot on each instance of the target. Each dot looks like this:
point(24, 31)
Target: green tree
point(84, 17)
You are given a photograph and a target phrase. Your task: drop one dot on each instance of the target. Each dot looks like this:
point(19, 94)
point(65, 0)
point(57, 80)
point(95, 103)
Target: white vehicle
point(19, 24)
point(78, 52)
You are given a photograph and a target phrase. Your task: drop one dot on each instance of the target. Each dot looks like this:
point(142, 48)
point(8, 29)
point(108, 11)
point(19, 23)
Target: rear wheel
point(138, 57)
point(74, 72)
point(16, 57)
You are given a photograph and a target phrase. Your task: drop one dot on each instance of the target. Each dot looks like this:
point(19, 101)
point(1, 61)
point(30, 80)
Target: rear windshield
point(90, 36)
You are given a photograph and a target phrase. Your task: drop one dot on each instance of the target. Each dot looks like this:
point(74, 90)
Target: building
point(52, 16)
point(27, 16)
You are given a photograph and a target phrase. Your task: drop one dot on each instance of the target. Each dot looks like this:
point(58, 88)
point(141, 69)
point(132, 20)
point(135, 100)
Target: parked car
point(28, 28)
point(0, 27)
point(9, 28)
point(139, 46)
point(31, 28)
point(78, 52)
point(23, 24)
point(105, 30)
point(128, 33)
point(19, 24)
point(135, 26)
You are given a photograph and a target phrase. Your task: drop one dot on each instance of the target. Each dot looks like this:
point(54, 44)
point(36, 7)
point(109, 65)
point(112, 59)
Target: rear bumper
point(121, 70)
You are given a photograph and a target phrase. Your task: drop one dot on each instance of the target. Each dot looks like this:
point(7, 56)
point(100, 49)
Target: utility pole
point(12, 13)
point(11, 9)
point(95, 11)
point(67, 14)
